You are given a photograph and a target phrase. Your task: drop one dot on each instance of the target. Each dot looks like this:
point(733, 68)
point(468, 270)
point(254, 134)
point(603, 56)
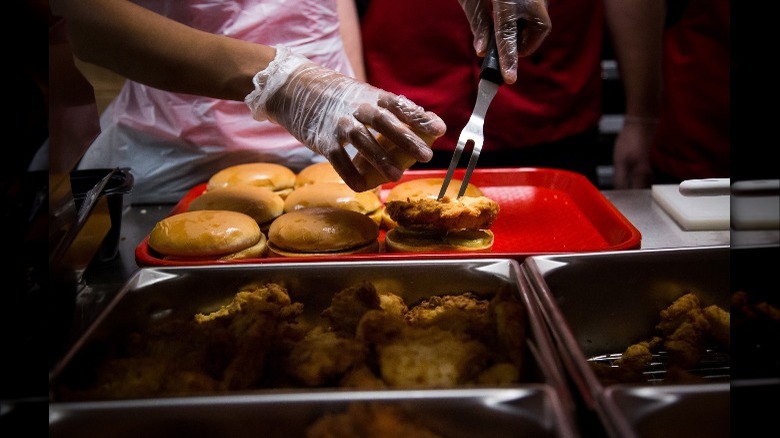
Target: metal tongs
point(489, 80)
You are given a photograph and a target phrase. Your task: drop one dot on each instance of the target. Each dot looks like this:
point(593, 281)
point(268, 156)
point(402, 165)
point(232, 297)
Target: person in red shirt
point(694, 129)
point(549, 117)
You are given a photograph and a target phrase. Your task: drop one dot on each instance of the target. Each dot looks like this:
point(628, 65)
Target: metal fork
point(489, 81)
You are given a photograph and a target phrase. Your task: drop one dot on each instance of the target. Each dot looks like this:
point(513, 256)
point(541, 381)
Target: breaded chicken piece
point(379, 327)
point(421, 357)
point(323, 357)
point(684, 330)
point(502, 373)
point(465, 313)
point(678, 312)
point(510, 321)
point(392, 304)
point(350, 304)
point(373, 420)
point(631, 365)
point(253, 318)
point(430, 358)
point(720, 324)
point(270, 298)
point(466, 212)
point(638, 356)
point(362, 377)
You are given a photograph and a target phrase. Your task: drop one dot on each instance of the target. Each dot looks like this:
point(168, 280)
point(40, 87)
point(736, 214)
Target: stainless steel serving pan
point(538, 406)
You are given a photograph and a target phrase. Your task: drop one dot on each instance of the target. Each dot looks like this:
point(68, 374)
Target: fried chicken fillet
point(464, 213)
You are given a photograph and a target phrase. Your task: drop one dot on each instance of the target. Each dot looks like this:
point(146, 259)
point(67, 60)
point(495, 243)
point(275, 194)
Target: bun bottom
point(258, 250)
point(371, 247)
point(400, 239)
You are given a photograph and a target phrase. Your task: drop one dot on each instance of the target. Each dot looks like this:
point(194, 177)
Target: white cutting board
point(693, 212)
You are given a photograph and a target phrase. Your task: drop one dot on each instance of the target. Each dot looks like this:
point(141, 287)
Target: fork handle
point(491, 69)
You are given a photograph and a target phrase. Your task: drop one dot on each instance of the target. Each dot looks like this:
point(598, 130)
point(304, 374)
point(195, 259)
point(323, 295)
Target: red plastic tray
point(543, 211)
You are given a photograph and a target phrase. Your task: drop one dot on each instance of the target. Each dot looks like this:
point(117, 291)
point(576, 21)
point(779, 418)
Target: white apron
point(172, 142)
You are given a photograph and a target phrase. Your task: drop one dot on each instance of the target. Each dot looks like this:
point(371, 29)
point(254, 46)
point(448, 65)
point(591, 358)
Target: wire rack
point(714, 366)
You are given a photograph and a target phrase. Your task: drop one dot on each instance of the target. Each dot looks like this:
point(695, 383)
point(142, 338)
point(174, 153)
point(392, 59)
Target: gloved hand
point(506, 20)
point(326, 110)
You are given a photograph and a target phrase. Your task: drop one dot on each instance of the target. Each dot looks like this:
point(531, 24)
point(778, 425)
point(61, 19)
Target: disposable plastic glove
point(326, 110)
point(506, 21)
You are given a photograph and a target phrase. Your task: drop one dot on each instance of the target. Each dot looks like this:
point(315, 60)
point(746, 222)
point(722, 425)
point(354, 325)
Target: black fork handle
point(491, 68)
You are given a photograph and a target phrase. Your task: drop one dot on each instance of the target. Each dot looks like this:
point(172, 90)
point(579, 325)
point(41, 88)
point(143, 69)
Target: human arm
point(349, 25)
point(506, 18)
point(160, 52)
point(636, 28)
point(322, 108)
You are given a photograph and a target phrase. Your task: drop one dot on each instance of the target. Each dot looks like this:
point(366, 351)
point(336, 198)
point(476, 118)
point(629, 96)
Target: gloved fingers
point(480, 22)
point(505, 18)
point(536, 26)
point(387, 124)
point(340, 159)
point(519, 31)
point(370, 149)
point(413, 115)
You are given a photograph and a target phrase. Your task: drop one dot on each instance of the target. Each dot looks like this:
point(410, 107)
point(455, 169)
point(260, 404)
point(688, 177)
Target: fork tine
point(453, 164)
point(472, 164)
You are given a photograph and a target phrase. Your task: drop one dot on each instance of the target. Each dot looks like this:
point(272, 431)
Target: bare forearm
point(636, 27)
point(349, 24)
point(148, 48)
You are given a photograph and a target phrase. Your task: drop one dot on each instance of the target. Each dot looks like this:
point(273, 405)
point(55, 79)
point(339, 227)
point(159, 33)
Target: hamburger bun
point(424, 188)
point(446, 225)
point(322, 231)
point(317, 173)
point(323, 172)
point(400, 239)
point(208, 235)
point(334, 194)
point(261, 203)
point(276, 177)
point(400, 157)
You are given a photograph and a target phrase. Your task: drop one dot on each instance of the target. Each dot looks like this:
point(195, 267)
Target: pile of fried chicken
point(685, 331)
point(363, 339)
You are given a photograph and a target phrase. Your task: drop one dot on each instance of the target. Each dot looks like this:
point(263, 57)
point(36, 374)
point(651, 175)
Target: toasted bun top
point(332, 194)
point(318, 173)
point(322, 229)
point(273, 176)
point(429, 188)
point(261, 203)
point(204, 233)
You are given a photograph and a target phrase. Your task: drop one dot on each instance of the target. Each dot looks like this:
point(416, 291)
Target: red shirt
point(693, 134)
point(423, 50)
